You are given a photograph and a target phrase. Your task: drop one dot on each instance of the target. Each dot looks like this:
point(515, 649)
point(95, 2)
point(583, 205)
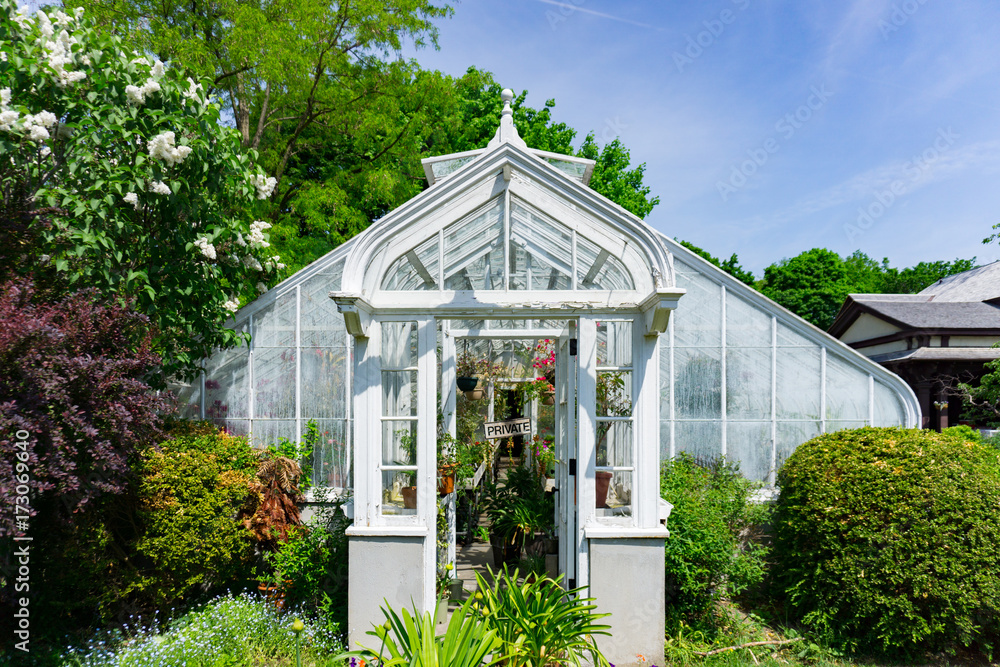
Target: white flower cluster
point(132, 198)
point(59, 48)
point(261, 288)
point(273, 264)
point(137, 95)
point(192, 92)
point(265, 185)
point(257, 228)
point(206, 248)
point(162, 146)
point(7, 116)
point(232, 305)
point(160, 188)
point(251, 262)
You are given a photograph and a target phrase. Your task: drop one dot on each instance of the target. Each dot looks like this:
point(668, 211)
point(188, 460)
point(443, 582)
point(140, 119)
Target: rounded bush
point(887, 539)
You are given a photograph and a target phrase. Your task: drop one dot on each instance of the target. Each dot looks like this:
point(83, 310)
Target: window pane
point(269, 431)
point(598, 269)
point(332, 455)
point(474, 251)
point(399, 345)
point(614, 444)
point(798, 382)
point(614, 393)
point(399, 443)
point(746, 326)
point(702, 440)
point(399, 493)
point(698, 321)
point(846, 391)
point(324, 382)
point(749, 443)
point(793, 434)
point(748, 383)
point(274, 383)
point(541, 248)
point(321, 324)
point(698, 383)
point(614, 343)
point(888, 407)
point(416, 270)
point(399, 393)
point(274, 326)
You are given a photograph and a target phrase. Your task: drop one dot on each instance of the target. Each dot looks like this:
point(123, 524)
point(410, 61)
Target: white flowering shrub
point(116, 172)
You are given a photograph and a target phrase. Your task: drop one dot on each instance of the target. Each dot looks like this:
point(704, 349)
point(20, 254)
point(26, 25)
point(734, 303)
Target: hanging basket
point(475, 394)
point(548, 398)
point(467, 384)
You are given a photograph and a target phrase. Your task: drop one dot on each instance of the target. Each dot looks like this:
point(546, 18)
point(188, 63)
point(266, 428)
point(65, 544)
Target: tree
point(730, 266)
point(119, 176)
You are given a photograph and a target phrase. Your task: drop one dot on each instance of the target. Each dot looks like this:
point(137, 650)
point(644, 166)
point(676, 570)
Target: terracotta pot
point(475, 394)
point(548, 398)
point(446, 479)
point(409, 497)
point(603, 480)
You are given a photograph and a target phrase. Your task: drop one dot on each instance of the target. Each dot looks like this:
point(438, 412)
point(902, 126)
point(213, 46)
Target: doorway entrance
point(522, 411)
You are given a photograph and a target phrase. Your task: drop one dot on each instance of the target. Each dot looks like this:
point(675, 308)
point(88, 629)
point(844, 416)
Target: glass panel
point(321, 324)
point(237, 427)
point(274, 383)
point(665, 375)
point(698, 383)
point(698, 320)
point(664, 440)
point(614, 393)
point(789, 338)
point(274, 326)
point(614, 343)
point(399, 492)
point(846, 391)
point(324, 382)
point(839, 425)
point(574, 170)
point(447, 167)
point(746, 326)
point(542, 250)
point(474, 250)
point(798, 383)
point(888, 407)
point(416, 270)
point(399, 443)
point(332, 455)
point(269, 431)
point(227, 384)
point(598, 269)
point(399, 345)
point(702, 440)
point(336, 274)
point(748, 383)
point(750, 444)
point(614, 444)
point(793, 434)
point(188, 395)
point(399, 393)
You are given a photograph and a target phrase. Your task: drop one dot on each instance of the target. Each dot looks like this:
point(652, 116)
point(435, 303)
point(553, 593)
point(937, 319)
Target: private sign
point(508, 429)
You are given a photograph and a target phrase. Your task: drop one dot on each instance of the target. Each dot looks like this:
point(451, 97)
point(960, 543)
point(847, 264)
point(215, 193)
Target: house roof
point(963, 302)
point(979, 354)
point(979, 284)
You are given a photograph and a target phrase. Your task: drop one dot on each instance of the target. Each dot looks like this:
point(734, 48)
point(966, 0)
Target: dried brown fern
point(273, 509)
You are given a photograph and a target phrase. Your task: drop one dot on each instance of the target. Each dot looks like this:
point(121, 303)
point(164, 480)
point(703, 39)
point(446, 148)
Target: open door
point(567, 516)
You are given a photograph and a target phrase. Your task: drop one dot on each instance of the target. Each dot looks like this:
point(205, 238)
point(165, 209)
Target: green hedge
point(889, 539)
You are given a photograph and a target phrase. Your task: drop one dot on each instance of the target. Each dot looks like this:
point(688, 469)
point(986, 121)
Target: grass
point(228, 631)
point(732, 626)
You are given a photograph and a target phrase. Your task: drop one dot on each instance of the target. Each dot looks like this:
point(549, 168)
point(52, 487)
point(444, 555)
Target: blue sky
point(768, 128)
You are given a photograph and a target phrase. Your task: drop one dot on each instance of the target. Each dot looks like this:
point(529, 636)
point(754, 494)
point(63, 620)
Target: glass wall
point(738, 381)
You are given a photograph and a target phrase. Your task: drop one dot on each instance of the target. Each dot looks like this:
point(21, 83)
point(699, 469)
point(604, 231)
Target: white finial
point(507, 95)
point(507, 132)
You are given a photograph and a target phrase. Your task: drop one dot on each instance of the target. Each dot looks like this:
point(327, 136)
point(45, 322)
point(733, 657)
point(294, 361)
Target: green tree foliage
point(117, 175)
point(730, 266)
point(815, 283)
point(711, 552)
point(885, 539)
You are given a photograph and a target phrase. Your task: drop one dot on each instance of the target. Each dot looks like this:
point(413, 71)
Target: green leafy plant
point(886, 539)
point(300, 452)
point(712, 551)
point(409, 639)
point(539, 622)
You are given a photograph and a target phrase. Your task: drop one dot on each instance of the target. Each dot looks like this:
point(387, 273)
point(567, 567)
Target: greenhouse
point(587, 328)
